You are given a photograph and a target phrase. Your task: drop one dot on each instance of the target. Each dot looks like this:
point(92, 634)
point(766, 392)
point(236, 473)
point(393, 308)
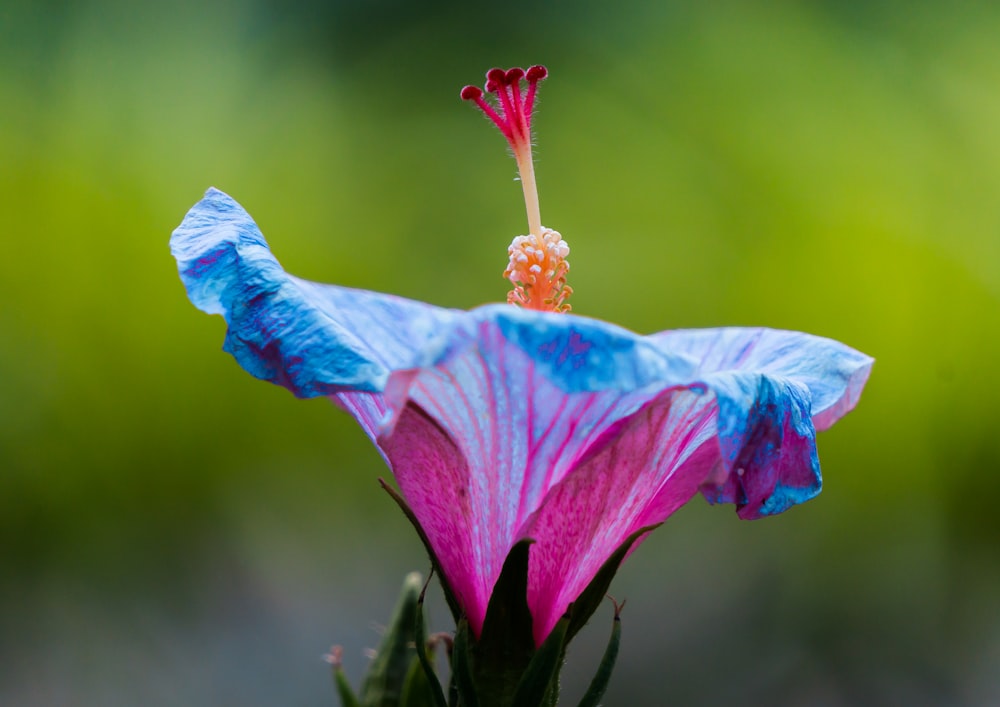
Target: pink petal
point(434, 478)
point(513, 433)
point(637, 475)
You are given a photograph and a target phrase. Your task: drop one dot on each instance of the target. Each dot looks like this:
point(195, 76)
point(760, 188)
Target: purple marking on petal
point(768, 444)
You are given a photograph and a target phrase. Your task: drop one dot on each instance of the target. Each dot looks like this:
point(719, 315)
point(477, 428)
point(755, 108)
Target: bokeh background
point(173, 532)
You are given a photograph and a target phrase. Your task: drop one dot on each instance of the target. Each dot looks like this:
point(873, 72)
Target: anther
point(537, 270)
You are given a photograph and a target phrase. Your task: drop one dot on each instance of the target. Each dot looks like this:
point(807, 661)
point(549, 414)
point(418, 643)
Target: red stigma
point(541, 285)
point(471, 93)
point(537, 73)
point(514, 105)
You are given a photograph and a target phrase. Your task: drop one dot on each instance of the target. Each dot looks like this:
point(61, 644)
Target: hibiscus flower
point(521, 422)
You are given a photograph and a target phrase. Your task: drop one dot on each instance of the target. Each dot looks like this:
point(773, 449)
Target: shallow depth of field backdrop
point(173, 532)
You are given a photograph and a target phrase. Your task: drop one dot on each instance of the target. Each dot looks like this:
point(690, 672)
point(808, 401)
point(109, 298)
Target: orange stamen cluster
point(537, 267)
point(538, 272)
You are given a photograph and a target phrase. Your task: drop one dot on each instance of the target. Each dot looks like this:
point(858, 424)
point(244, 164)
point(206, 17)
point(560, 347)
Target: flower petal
point(834, 373)
point(773, 388)
point(767, 442)
point(642, 470)
point(312, 339)
point(521, 395)
point(435, 480)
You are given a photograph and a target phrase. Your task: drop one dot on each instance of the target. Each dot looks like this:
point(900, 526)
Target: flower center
point(537, 268)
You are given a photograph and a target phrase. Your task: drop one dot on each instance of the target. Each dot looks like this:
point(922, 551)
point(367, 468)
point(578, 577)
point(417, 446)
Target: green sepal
point(539, 684)
point(417, 688)
point(602, 677)
point(462, 666)
point(506, 644)
point(591, 597)
point(434, 693)
point(449, 595)
point(344, 690)
point(383, 686)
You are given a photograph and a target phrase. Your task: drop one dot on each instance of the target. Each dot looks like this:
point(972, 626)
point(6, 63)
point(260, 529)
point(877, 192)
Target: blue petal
point(313, 339)
point(834, 373)
point(774, 389)
point(476, 373)
point(577, 354)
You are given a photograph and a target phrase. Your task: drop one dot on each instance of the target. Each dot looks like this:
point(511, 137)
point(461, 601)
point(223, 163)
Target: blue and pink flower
point(505, 423)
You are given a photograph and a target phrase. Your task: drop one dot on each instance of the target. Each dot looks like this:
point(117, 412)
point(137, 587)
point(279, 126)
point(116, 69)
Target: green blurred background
point(175, 533)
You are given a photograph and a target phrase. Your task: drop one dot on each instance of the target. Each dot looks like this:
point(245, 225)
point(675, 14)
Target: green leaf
point(417, 688)
point(461, 666)
point(456, 610)
point(383, 687)
point(344, 690)
point(506, 644)
point(453, 698)
point(602, 677)
point(434, 691)
point(539, 685)
point(591, 597)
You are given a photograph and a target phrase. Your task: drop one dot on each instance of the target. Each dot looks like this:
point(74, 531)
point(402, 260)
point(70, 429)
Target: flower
point(505, 423)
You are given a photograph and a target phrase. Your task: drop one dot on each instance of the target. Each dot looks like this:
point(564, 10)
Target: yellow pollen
point(537, 270)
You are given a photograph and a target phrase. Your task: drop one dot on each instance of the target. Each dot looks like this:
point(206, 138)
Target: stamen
point(537, 267)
